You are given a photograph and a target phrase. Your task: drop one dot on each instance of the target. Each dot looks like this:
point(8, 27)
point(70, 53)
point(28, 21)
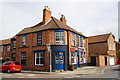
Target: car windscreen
point(16, 63)
point(6, 63)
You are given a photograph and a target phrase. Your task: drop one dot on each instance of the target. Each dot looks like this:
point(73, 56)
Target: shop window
point(59, 37)
point(23, 58)
point(39, 38)
point(23, 40)
point(73, 57)
point(81, 58)
point(39, 58)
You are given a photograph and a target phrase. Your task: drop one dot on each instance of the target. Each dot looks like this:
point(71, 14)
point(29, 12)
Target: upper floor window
point(73, 39)
point(77, 40)
point(84, 42)
point(81, 41)
point(1, 48)
point(14, 44)
point(8, 47)
point(112, 46)
point(39, 38)
point(59, 37)
point(23, 40)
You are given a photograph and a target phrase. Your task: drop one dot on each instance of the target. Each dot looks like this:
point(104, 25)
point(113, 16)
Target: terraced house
point(49, 45)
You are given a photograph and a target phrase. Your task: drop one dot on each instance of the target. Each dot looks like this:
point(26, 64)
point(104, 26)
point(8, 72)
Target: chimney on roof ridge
point(63, 18)
point(46, 14)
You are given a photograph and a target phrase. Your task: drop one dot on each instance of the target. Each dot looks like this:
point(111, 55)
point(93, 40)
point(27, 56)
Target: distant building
point(102, 50)
point(5, 49)
point(32, 46)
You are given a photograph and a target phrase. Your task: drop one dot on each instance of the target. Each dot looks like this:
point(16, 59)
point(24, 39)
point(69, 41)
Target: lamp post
point(49, 50)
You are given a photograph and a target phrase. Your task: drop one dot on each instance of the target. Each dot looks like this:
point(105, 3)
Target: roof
point(98, 38)
point(5, 42)
point(52, 24)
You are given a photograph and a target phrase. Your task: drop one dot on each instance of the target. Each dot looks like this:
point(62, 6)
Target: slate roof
point(52, 24)
point(98, 38)
point(5, 42)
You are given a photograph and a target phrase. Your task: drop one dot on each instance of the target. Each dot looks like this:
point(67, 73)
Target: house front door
point(59, 61)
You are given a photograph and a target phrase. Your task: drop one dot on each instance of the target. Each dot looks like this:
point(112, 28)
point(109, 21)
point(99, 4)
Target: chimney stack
point(46, 14)
point(63, 19)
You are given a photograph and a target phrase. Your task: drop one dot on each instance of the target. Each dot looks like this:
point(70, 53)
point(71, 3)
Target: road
point(111, 73)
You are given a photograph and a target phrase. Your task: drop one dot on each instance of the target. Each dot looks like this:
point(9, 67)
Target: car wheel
point(8, 70)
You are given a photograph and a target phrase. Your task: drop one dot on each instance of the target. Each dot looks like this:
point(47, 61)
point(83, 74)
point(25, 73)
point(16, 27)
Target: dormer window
point(59, 37)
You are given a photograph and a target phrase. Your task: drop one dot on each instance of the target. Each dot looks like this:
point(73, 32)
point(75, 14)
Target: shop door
point(59, 61)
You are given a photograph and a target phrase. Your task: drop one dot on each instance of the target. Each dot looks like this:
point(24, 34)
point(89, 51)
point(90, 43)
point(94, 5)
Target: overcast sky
point(90, 18)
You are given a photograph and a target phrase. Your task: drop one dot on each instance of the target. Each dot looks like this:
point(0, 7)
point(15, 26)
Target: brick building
point(51, 41)
point(5, 52)
point(102, 50)
point(117, 49)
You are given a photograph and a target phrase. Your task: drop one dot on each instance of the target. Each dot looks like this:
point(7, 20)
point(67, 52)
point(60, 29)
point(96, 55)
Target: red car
point(11, 66)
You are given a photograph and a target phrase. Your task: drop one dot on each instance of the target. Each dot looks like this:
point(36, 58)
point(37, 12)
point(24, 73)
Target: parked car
point(10, 66)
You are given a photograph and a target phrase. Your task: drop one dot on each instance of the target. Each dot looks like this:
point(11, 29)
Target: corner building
point(51, 41)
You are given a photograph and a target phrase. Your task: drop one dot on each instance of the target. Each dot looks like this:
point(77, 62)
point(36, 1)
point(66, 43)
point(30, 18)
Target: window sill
point(39, 65)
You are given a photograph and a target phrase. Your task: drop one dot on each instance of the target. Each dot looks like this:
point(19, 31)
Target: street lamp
point(49, 50)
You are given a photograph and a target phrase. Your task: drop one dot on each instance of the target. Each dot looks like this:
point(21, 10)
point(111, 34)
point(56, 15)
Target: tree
point(118, 53)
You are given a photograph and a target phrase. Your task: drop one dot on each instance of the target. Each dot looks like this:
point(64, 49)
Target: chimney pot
point(63, 18)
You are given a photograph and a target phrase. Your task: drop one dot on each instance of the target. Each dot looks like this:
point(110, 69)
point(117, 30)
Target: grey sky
point(90, 18)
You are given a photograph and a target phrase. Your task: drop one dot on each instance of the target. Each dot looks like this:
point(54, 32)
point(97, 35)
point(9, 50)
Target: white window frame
point(14, 44)
point(8, 47)
point(24, 40)
point(1, 49)
point(74, 57)
point(73, 39)
point(39, 58)
point(60, 36)
point(112, 46)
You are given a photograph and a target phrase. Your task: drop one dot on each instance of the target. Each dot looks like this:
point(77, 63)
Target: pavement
point(82, 71)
